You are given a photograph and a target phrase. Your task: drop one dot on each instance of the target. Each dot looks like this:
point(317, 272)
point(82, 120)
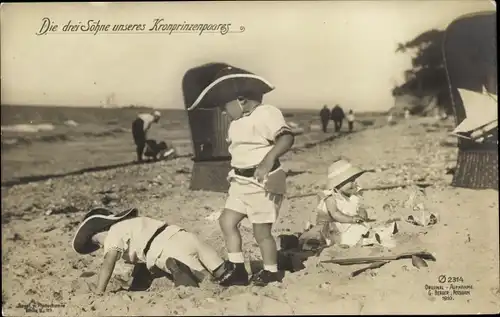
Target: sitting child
point(337, 217)
point(143, 240)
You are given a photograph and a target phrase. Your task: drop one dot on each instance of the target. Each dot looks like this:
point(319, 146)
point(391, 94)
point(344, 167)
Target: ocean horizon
point(37, 114)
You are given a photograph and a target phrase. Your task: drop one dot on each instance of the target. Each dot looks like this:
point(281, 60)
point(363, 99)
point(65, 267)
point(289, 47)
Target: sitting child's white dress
point(346, 233)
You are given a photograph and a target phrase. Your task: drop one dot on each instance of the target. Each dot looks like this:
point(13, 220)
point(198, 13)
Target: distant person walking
point(407, 113)
point(324, 114)
point(350, 120)
point(140, 128)
point(390, 118)
point(337, 116)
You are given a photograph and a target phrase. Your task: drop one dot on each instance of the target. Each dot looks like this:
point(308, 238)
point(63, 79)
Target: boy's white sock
point(236, 257)
point(271, 267)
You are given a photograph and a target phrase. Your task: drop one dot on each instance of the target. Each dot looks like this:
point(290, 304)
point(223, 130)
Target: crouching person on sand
point(143, 240)
point(337, 218)
point(140, 128)
point(258, 136)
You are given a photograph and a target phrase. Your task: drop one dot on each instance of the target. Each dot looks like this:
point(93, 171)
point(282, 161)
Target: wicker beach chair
point(470, 56)
point(208, 132)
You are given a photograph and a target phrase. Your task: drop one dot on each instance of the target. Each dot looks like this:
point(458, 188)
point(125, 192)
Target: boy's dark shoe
point(236, 274)
point(181, 273)
point(264, 277)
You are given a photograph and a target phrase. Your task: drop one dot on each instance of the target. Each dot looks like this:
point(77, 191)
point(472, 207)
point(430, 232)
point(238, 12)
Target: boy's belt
point(248, 172)
point(150, 241)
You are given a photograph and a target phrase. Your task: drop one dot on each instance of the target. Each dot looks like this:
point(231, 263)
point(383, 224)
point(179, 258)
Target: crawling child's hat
point(342, 172)
point(230, 83)
point(95, 221)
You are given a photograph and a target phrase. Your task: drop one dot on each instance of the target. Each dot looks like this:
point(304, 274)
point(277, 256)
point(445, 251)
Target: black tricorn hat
point(215, 84)
point(94, 221)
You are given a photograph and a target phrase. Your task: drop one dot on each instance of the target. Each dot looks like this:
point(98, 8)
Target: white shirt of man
point(252, 136)
point(130, 237)
point(148, 120)
point(350, 117)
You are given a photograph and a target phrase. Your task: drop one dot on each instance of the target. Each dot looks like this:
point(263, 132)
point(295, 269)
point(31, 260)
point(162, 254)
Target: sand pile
point(39, 265)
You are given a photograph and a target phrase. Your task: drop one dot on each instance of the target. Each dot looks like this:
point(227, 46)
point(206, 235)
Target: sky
point(313, 52)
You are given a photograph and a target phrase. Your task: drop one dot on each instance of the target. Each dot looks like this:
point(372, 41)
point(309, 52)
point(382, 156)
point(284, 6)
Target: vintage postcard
point(249, 158)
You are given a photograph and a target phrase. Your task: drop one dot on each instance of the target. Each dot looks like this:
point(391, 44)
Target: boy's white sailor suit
point(250, 139)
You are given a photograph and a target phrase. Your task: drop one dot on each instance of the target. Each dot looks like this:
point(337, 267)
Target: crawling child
point(144, 240)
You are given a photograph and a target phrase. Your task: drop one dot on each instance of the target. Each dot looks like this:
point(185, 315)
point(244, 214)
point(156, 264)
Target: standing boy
point(140, 128)
point(258, 136)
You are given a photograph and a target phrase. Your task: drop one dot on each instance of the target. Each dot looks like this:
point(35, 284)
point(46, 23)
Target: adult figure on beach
point(407, 113)
point(390, 119)
point(157, 150)
point(337, 116)
point(140, 128)
point(350, 120)
point(324, 114)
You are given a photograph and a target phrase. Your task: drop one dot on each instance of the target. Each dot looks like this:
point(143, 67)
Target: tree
point(427, 77)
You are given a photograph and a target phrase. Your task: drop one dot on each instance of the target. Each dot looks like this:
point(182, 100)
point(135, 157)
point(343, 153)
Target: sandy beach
point(85, 87)
point(42, 275)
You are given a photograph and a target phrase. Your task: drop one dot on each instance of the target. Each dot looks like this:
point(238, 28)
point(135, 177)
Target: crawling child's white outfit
point(130, 237)
point(250, 139)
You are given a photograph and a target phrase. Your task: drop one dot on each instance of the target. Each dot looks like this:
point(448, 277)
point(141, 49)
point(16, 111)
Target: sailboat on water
point(110, 101)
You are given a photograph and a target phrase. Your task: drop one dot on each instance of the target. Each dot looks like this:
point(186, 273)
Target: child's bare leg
point(228, 222)
point(235, 271)
point(267, 244)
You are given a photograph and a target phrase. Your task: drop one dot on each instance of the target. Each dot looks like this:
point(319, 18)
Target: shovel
point(374, 265)
point(415, 260)
point(409, 255)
